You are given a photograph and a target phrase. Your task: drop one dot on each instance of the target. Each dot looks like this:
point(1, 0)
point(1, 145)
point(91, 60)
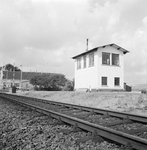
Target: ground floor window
point(116, 81)
point(104, 80)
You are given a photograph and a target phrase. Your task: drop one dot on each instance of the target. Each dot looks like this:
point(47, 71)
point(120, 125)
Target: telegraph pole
point(13, 74)
point(21, 77)
point(87, 46)
point(6, 77)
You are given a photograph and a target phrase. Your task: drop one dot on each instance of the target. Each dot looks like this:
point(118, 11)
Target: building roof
point(96, 48)
point(17, 75)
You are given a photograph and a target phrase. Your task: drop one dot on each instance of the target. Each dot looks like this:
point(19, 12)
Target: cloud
point(135, 61)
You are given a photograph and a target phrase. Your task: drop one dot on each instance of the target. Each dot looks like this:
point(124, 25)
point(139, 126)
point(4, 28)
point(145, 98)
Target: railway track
point(122, 128)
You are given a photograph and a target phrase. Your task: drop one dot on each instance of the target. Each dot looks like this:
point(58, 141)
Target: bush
point(69, 86)
point(51, 82)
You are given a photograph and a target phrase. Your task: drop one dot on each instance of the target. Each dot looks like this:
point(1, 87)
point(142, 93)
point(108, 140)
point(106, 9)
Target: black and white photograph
point(73, 75)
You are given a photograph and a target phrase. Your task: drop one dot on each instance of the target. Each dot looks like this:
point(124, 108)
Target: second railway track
point(119, 127)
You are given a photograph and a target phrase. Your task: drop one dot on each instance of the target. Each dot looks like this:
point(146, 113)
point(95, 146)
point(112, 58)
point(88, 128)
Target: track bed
point(122, 128)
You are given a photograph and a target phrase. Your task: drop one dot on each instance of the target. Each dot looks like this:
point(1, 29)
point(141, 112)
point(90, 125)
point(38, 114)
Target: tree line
point(10, 67)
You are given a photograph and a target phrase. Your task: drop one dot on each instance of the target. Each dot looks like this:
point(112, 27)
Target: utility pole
point(6, 77)
point(21, 77)
point(13, 74)
point(1, 77)
point(87, 46)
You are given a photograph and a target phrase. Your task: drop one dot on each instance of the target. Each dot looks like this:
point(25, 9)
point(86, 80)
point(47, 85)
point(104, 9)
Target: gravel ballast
point(24, 129)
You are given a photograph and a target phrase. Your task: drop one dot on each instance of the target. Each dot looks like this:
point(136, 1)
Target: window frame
point(78, 63)
point(115, 82)
point(103, 62)
point(104, 82)
point(113, 61)
point(91, 59)
point(84, 61)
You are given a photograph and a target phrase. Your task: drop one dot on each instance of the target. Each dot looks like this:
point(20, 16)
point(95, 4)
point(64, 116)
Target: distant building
point(17, 78)
point(101, 68)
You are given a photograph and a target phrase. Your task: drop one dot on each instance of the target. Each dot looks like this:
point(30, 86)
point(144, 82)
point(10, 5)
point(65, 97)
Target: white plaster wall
point(87, 77)
point(110, 71)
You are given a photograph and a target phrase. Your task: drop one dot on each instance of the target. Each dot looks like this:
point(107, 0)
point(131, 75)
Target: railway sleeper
point(94, 137)
point(65, 109)
point(134, 131)
point(74, 111)
point(106, 115)
point(80, 114)
point(95, 117)
point(68, 131)
point(87, 114)
point(58, 122)
point(118, 122)
point(57, 108)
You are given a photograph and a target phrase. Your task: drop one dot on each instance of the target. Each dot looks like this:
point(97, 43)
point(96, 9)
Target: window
point(116, 81)
point(115, 59)
point(105, 58)
point(16, 84)
point(84, 61)
point(79, 63)
point(91, 59)
point(104, 80)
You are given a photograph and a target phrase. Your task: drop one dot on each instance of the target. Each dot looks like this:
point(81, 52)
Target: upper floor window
point(84, 61)
point(79, 63)
point(115, 59)
point(116, 81)
point(105, 58)
point(104, 80)
point(91, 59)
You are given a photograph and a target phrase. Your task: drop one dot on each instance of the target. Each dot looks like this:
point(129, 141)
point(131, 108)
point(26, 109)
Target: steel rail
point(116, 136)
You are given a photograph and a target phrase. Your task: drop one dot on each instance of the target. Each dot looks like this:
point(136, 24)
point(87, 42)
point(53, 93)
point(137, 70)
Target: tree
point(10, 67)
point(49, 82)
point(69, 86)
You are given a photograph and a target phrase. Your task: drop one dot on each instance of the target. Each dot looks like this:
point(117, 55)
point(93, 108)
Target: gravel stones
point(24, 129)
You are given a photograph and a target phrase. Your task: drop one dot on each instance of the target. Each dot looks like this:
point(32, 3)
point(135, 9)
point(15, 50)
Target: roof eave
point(119, 48)
point(92, 50)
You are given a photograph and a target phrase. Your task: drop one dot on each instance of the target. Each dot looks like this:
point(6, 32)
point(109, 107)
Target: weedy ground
point(133, 102)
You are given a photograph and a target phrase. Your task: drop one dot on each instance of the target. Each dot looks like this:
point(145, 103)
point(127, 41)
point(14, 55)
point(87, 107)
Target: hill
point(139, 87)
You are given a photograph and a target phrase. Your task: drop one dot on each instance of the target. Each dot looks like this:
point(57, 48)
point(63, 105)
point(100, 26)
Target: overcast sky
point(43, 35)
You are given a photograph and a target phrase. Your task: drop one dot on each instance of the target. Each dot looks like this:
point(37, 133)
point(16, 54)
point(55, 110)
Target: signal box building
point(101, 68)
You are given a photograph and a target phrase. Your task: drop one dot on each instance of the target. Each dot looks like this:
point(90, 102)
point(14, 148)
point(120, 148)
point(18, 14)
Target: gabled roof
point(96, 48)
